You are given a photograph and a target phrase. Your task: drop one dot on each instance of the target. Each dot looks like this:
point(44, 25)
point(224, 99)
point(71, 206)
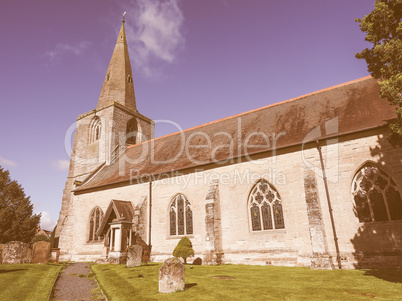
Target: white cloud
point(6, 162)
point(62, 49)
point(156, 35)
point(46, 222)
point(61, 164)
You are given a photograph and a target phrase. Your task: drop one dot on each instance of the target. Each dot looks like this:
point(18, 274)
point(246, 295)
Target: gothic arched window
point(265, 207)
point(131, 131)
point(94, 222)
point(180, 216)
point(95, 130)
point(376, 195)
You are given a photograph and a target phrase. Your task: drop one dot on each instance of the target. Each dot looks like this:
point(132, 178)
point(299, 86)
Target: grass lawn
point(242, 282)
point(27, 281)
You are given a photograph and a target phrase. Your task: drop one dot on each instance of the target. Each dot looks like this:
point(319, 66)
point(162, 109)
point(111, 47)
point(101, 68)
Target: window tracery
point(181, 216)
point(376, 195)
point(265, 207)
point(94, 221)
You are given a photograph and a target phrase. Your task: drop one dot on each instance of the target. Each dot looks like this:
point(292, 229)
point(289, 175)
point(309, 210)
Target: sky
point(193, 61)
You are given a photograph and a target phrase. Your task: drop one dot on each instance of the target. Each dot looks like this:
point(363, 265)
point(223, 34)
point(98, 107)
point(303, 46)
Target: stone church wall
point(286, 246)
point(343, 159)
point(357, 238)
point(303, 234)
point(81, 249)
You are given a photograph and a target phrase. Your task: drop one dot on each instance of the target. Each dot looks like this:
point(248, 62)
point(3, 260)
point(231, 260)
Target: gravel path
point(73, 285)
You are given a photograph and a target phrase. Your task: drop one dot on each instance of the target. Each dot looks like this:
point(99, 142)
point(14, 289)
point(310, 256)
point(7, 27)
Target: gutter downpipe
point(338, 256)
point(150, 213)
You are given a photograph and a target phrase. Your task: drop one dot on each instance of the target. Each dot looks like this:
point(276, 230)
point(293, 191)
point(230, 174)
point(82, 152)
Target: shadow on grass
point(391, 275)
point(9, 271)
point(189, 285)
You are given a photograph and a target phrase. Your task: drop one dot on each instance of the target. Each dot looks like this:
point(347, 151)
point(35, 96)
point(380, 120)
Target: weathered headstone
point(171, 276)
point(41, 252)
point(2, 246)
point(16, 252)
point(29, 254)
point(134, 256)
point(197, 261)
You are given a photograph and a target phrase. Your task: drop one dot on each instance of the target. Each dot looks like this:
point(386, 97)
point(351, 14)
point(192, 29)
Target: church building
point(311, 181)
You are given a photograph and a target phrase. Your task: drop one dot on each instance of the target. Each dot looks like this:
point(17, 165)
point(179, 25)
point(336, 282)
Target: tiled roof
point(122, 210)
point(353, 106)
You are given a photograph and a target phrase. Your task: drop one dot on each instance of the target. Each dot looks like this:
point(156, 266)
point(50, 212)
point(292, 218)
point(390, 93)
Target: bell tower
point(104, 133)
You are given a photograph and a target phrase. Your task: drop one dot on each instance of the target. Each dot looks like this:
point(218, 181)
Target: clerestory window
point(376, 195)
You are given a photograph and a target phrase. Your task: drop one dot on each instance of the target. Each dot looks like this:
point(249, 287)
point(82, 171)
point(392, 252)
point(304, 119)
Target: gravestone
point(134, 256)
point(41, 252)
point(171, 276)
point(16, 252)
point(197, 261)
point(2, 246)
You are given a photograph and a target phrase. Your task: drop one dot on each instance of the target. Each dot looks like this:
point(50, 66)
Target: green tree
point(40, 237)
point(17, 221)
point(383, 27)
point(184, 249)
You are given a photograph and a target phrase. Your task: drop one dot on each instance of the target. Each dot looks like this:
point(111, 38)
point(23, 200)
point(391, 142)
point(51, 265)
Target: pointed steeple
point(118, 85)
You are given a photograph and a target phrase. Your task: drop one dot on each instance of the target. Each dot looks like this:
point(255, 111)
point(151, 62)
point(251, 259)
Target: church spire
point(118, 84)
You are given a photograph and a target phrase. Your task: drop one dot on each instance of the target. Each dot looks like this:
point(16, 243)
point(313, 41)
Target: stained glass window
point(94, 222)
point(266, 216)
point(265, 207)
point(172, 221)
point(362, 207)
point(376, 196)
point(189, 220)
point(255, 217)
point(394, 203)
point(91, 229)
point(181, 216)
point(278, 215)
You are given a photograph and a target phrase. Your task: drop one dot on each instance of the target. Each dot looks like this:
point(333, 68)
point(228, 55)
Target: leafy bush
point(40, 237)
point(184, 249)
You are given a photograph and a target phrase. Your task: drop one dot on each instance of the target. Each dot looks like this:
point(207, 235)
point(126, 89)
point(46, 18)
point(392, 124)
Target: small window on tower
point(129, 79)
point(108, 77)
point(131, 132)
point(95, 130)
